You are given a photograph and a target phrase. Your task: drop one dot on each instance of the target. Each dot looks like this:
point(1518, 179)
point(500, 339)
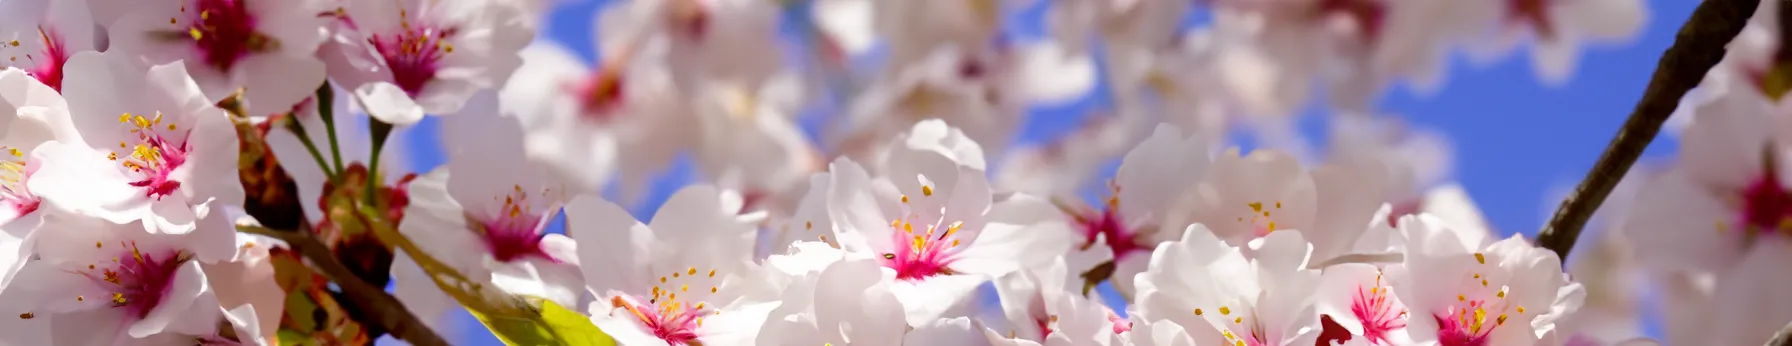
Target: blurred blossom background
point(1514, 143)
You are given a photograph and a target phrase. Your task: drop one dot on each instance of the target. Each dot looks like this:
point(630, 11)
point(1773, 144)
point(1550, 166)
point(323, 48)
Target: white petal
point(388, 103)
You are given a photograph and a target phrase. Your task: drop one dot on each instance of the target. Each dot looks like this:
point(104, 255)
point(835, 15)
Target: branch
point(1698, 47)
point(1782, 338)
point(382, 307)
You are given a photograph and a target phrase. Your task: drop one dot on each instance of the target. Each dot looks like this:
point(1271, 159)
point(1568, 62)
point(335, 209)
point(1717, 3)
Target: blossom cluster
point(177, 172)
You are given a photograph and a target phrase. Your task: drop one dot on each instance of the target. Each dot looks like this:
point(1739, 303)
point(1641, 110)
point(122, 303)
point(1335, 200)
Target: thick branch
point(1698, 47)
point(383, 308)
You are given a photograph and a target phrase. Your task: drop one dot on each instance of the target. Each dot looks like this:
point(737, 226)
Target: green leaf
point(553, 325)
point(516, 331)
point(572, 327)
point(288, 337)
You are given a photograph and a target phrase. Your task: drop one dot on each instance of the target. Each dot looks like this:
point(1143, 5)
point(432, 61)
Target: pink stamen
point(414, 55)
point(137, 280)
point(1376, 312)
point(516, 232)
point(921, 255)
point(224, 32)
point(55, 54)
point(156, 159)
point(600, 95)
point(1767, 206)
point(675, 323)
point(1111, 225)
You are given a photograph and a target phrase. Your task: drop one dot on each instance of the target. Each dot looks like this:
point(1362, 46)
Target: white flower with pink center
point(1723, 209)
point(581, 115)
point(1044, 308)
point(172, 158)
point(39, 36)
point(1220, 296)
point(1559, 28)
point(1359, 299)
point(1503, 294)
point(704, 39)
point(687, 277)
point(33, 116)
point(1153, 177)
point(486, 212)
point(930, 217)
point(406, 58)
point(97, 282)
point(1250, 196)
point(264, 48)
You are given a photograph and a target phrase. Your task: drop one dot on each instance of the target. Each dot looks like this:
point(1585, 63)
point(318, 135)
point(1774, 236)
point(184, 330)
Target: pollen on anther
point(808, 225)
point(662, 279)
point(97, 245)
point(1521, 309)
point(712, 273)
point(685, 288)
point(80, 298)
point(1197, 311)
point(712, 289)
point(1461, 298)
point(904, 198)
point(925, 190)
point(1480, 258)
point(27, 316)
point(692, 271)
point(1225, 310)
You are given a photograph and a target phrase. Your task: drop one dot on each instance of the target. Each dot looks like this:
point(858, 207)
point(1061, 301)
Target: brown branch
point(1782, 338)
point(1697, 47)
point(380, 306)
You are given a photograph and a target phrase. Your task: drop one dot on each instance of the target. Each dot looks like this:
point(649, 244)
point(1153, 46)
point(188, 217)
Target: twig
point(382, 307)
point(1697, 47)
point(1782, 338)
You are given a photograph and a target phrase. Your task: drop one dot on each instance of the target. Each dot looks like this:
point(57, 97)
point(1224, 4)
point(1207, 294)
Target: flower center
point(515, 232)
point(46, 61)
point(1242, 330)
point(154, 157)
point(1470, 320)
point(1376, 312)
point(689, 19)
point(224, 32)
point(1262, 223)
point(1534, 13)
point(925, 254)
point(1369, 15)
point(14, 172)
point(415, 54)
point(601, 95)
point(1110, 225)
point(1766, 205)
point(667, 316)
point(137, 280)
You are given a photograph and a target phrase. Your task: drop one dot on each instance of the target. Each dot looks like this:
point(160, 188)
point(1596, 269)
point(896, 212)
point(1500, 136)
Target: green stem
point(326, 109)
point(298, 129)
point(381, 131)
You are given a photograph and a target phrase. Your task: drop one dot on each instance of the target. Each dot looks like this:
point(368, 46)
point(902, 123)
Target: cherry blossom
point(579, 117)
point(103, 283)
point(161, 151)
point(1557, 30)
point(264, 48)
point(1504, 293)
point(943, 235)
point(1143, 196)
point(687, 276)
point(41, 35)
point(1218, 295)
point(412, 57)
point(481, 217)
point(704, 40)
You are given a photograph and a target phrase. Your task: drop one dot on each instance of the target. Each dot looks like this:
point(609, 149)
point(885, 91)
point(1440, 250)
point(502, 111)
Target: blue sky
point(1517, 142)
